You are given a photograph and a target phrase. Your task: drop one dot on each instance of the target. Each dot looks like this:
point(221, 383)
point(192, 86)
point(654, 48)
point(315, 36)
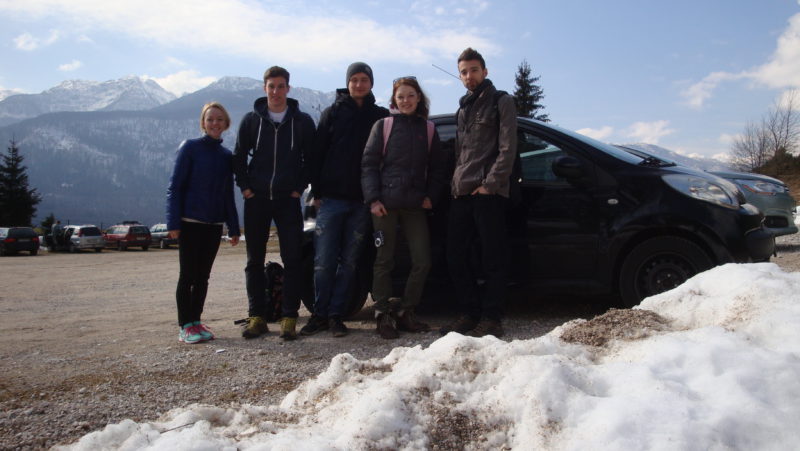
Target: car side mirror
point(567, 167)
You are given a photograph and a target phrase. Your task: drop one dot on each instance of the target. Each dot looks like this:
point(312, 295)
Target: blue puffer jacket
point(201, 187)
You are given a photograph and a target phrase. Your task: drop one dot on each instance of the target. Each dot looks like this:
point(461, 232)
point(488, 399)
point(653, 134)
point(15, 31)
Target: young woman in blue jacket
point(199, 202)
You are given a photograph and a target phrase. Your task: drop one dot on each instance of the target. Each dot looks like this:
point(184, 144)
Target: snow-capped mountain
point(130, 94)
point(702, 163)
point(105, 166)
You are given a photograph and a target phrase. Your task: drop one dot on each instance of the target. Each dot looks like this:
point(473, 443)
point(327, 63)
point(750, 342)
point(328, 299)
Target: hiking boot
point(256, 326)
point(407, 322)
point(337, 327)
point(385, 326)
point(204, 331)
point(315, 324)
point(190, 334)
point(487, 327)
point(462, 325)
point(288, 331)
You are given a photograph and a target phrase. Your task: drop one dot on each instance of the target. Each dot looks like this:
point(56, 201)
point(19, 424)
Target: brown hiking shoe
point(385, 326)
point(256, 326)
point(288, 328)
point(487, 327)
point(462, 325)
point(407, 322)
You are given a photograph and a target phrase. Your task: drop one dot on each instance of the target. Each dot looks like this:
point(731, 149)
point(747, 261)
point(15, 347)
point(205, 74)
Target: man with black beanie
point(342, 219)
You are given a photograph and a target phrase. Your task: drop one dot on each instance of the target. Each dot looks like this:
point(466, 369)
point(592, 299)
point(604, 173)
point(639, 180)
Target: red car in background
point(122, 236)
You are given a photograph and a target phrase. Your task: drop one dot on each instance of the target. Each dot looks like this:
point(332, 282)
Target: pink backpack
point(387, 130)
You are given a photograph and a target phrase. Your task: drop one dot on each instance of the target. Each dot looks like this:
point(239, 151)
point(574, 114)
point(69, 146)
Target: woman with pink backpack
point(403, 172)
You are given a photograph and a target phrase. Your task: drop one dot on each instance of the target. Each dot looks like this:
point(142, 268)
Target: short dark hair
point(470, 54)
point(423, 105)
point(276, 71)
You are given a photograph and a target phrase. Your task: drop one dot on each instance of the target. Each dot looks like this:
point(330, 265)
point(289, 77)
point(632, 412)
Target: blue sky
point(686, 75)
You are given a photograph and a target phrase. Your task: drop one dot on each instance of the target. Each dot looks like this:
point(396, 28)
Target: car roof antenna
point(448, 73)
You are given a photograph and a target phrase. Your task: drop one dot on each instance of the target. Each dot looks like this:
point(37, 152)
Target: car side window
point(537, 155)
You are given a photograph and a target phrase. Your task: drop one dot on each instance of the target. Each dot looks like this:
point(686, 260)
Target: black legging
point(197, 248)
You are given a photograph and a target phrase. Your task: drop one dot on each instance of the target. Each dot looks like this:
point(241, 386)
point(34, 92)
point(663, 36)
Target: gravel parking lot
point(91, 339)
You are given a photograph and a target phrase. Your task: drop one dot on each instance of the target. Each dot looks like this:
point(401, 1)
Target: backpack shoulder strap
point(387, 130)
point(431, 126)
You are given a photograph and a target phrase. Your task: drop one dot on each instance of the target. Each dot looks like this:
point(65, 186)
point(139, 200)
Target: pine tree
point(528, 94)
point(17, 201)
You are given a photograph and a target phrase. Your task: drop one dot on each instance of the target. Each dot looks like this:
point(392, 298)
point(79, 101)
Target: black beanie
point(356, 68)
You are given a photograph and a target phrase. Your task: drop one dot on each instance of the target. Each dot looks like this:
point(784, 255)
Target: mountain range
point(101, 153)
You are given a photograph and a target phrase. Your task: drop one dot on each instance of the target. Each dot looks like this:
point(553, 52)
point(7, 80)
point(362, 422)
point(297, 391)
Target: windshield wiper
point(655, 162)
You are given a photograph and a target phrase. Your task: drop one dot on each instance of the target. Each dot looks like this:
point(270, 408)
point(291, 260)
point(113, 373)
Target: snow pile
point(713, 364)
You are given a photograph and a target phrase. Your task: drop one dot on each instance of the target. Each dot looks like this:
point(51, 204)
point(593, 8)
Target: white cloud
point(68, 67)
point(701, 91)
point(182, 82)
point(302, 37)
point(649, 132)
point(727, 138)
point(29, 42)
point(601, 133)
point(782, 70)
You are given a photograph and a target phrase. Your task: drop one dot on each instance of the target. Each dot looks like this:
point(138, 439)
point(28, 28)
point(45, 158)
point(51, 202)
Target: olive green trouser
point(415, 227)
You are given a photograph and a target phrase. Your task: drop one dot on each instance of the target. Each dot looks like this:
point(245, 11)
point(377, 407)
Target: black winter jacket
point(269, 172)
point(341, 136)
point(408, 171)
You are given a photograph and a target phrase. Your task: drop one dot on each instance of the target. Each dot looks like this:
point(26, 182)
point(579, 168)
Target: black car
point(16, 239)
point(595, 219)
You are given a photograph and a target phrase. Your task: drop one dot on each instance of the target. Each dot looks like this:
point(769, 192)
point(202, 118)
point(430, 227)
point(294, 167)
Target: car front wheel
point(658, 265)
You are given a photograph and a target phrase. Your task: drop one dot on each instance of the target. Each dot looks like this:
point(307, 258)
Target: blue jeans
point(338, 243)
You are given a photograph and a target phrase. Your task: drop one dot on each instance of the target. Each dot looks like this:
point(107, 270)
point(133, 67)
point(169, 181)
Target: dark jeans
point(415, 227)
point(259, 212)
point(338, 243)
point(197, 248)
point(478, 218)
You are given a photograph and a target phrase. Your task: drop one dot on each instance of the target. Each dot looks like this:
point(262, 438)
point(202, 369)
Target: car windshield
point(22, 232)
point(90, 231)
point(607, 148)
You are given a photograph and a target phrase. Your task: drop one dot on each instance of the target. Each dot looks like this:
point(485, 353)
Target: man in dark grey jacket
point(486, 145)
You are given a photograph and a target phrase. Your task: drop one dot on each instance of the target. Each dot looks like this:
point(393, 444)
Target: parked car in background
point(592, 219)
point(128, 234)
point(75, 237)
point(16, 239)
point(160, 236)
point(770, 195)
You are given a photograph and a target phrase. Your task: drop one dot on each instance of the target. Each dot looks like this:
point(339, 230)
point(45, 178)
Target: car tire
point(98, 249)
point(72, 248)
point(658, 265)
point(144, 248)
point(35, 251)
point(2, 252)
point(120, 247)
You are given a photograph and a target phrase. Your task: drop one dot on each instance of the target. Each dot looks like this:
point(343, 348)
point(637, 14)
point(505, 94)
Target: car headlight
point(761, 187)
point(701, 188)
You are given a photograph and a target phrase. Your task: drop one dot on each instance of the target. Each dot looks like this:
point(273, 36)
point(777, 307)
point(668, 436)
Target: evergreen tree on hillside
point(17, 201)
point(528, 94)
